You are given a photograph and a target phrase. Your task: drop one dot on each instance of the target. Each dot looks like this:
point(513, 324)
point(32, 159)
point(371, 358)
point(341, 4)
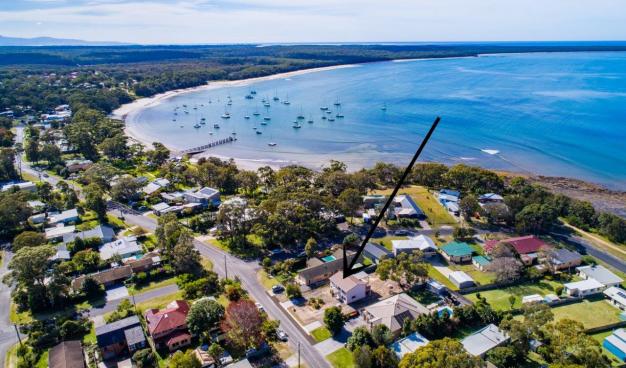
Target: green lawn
point(43, 360)
point(436, 213)
point(321, 334)
point(151, 286)
point(438, 276)
point(266, 281)
point(341, 358)
point(159, 302)
point(590, 313)
point(499, 298)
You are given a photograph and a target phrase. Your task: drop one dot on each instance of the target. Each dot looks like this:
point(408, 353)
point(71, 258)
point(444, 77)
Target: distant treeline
point(35, 79)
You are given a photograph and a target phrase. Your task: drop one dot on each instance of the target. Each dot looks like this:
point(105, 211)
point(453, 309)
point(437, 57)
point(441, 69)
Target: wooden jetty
point(200, 149)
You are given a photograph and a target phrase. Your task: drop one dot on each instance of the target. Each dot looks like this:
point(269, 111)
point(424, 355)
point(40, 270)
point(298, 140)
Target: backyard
point(436, 213)
point(499, 298)
point(590, 313)
point(341, 358)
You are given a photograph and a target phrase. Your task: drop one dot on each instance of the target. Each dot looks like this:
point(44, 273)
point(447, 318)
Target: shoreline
point(602, 197)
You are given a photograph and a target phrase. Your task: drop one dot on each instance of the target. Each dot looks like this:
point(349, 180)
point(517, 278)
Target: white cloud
point(226, 21)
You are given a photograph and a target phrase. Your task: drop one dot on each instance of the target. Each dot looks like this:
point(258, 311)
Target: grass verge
point(341, 358)
point(320, 334)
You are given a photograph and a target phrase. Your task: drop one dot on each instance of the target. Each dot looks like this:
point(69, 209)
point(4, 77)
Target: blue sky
point(231, 21)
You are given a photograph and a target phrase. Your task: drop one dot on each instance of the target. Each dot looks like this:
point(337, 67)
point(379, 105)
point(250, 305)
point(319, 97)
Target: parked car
point(282, 335)
point(259, 307)
point(275, 252)
point(226, 359)
point(278, 289)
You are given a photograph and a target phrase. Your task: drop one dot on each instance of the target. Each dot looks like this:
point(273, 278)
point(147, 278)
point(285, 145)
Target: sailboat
point(252, 92)
point(339, 116)
point(301, 116)
point(247, 117)
point(259, 132)
point(249, 97)
point(276, 97)
point(216, 126)
point(286, 100)
point(384, 108)
point(271, 144)
point(296, 125)
point(337, 103)
point(267, 118)
point(256, 113)
point(197, 126)
point(310, 121)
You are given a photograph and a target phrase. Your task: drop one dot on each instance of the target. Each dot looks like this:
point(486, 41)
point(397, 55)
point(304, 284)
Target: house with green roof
point(457, 252)
point(481, 262)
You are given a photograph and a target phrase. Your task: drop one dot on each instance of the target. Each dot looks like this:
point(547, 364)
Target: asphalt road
point(247, 272)
point(586, 247)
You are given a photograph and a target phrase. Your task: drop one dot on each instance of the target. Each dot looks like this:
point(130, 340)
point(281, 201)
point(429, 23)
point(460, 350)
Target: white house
point(532, 298)
point(405, 207)
point(28, 186)
point(58, 232)
point(350, 289)
point(482, 341)
point(126, 247)
point(204, 196)
point(422, 243)
point(64, 217)
point(600, 274)
point(617, 296)
point(584, 287)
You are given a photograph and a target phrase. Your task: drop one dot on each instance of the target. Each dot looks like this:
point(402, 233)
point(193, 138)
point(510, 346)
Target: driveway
point(333, 344)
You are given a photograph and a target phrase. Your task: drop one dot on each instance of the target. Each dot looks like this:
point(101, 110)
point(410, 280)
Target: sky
point(285, 21)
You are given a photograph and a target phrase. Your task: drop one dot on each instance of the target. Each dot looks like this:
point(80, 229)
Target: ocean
point(555, 114)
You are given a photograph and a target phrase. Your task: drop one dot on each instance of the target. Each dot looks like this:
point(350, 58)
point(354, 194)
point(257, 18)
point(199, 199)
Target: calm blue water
point(560, 114)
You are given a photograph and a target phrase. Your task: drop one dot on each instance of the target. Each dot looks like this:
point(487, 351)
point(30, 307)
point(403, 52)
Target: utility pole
point(225, 266)
point(17, 333)
point(298, 354)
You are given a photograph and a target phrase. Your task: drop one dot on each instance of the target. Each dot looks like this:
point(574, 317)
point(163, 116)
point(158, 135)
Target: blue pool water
point(560, 114)
point(329, 258)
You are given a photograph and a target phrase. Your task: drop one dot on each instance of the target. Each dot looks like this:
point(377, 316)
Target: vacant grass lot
point(321, 334)
point(437, 215)
point(590, 313)
point(159, 302)
point(499, 298)
point(341, 358)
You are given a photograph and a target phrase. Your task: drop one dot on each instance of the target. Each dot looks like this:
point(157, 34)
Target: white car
point(259, 307)
point(282, 335)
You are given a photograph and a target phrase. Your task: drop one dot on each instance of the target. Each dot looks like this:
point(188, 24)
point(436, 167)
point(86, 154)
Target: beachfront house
point(350, 289)
point(482, 341)
point(600, 274)
point(457, 252)
point(420, 243)
point(393, 311)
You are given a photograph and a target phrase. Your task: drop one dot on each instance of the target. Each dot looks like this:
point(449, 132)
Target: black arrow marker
point(349, 269)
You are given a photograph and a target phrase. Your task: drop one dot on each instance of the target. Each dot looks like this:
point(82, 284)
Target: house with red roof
point(527, 247)
point(168, 327)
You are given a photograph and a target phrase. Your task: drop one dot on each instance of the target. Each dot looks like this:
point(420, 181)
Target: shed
point(461, 279)
point(481, 262)
point(616, 344)
point(376, 252)
point(482, 341)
